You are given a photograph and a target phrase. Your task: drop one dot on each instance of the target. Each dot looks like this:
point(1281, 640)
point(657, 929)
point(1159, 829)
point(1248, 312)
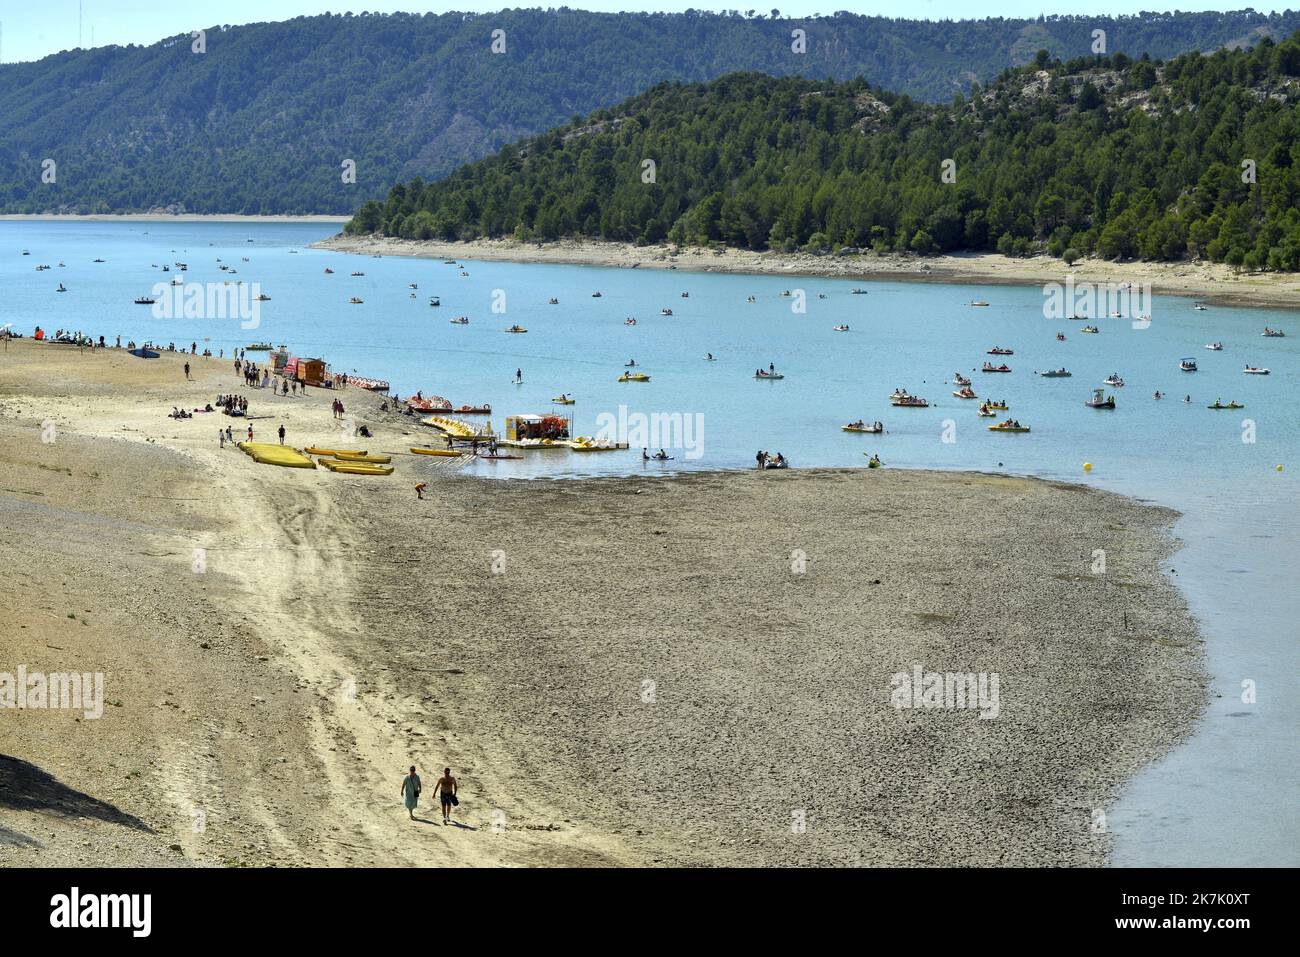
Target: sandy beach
point(692, 670)
point(1213, 282)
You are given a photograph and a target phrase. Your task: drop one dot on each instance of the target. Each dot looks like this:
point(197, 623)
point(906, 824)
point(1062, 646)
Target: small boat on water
point(634, 377)
point(1091, 329)
point(986, 412)
point(516, 329)
point(263, 298)
point(358, 274)
point(435, 301)
point(1215, 346)
point(873, 428)
point(596, 294)
point(857, 291)
point(998, 406)
point(62, 288)
point(1199, 307)
point(999, 351)
point(1114, 380)
point(841, 328)
point(1231, 405)
point(665, 312)
point(979, 302)
point(93, 260)
point(1273, 333)
point(563, 399)
point(1254, 370)
point(1099, 400)
point(1010, 425)
point(552, 301)
point(474, 410)
point(1060, 337)
point(760, 374)
point(966, 393)
point(145, 301)
point(355, 301)
point(1061, 373)
point(258, 347)
point(909, 402)
point(959, 379)
point(459, 321)
point(990, 367)
point(629, 321)
point(328, 271)
point(1187, 365)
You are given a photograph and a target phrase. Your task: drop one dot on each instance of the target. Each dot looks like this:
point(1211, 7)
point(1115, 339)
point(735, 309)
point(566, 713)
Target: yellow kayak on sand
point(375, 459)
point(316, 450)
point(356, 468)
point(267, 454)
point(446, 452)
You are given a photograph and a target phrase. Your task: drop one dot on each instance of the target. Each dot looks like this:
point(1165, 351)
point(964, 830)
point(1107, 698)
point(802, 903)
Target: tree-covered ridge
point(263, 120)
point(1108, 156)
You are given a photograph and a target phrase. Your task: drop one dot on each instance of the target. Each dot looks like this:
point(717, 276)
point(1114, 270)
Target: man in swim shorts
point(446, 791)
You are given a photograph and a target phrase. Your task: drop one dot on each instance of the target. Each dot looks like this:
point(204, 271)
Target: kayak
point(265, 453)
point(356, 468)
point(448, 453)
point(339, 453)
point(364, 457)
point(1008, 428)
point(864, 429)
point(1230, 405)
point(563, 400)
point(634, 377)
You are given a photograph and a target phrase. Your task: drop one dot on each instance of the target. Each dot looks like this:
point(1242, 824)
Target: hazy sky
point(32, 30)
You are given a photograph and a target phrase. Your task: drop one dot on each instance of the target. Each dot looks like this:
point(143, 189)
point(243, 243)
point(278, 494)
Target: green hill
point(262, 121)
point(1112, 156)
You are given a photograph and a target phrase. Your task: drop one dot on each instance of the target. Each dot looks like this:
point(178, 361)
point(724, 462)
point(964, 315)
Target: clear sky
point(32, 30)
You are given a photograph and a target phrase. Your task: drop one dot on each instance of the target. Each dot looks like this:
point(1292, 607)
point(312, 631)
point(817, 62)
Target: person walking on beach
point(446, 791)
point(221, 438)
point(419, 490)
point(282, 433)
point(411, 792)
point(187, 370)
point(250, 432)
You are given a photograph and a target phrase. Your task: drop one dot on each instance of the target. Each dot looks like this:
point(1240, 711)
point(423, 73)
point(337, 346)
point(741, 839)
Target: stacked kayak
point(356, 468)
point(267, 454)
point(449, 453)
point(368, 458)
point(334, 453)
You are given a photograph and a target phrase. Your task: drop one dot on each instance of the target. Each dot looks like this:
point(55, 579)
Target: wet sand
point(621, 671)
point(1215, 283)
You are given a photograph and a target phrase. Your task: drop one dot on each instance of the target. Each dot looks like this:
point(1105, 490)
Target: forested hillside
point(1196, 157)
point(264, 119)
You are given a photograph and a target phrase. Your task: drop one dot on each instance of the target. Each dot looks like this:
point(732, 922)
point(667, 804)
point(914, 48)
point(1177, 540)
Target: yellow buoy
point(1087, 466)
point(1279, 468)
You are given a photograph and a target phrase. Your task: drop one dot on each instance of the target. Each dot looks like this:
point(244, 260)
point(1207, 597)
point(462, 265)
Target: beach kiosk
point(530, 430)
point(311, 371)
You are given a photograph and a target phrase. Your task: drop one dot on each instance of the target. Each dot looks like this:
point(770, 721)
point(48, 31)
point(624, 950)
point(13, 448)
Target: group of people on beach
point(337, 406)
point(766, 460)
point(254, 378)
point(232, 404)
point(445, 790)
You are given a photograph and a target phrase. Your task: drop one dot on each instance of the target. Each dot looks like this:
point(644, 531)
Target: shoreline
point(1214, 283)
point(164, 218)
point(770, 687)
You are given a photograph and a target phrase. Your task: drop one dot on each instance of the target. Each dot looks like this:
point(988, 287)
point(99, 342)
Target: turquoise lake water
point(1227, 797)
